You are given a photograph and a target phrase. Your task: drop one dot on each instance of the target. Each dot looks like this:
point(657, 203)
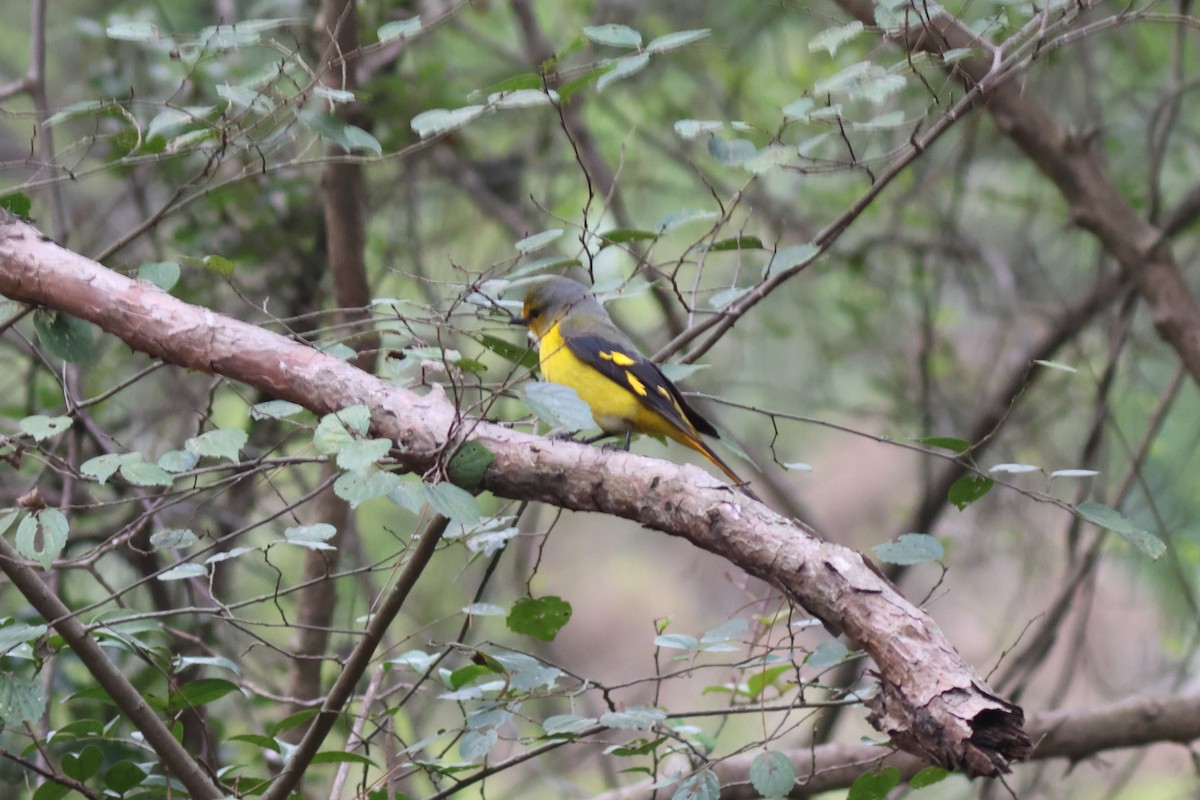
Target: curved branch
point(930, 702)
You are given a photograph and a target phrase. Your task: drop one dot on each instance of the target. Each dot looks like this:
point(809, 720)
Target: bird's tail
point(697, 444)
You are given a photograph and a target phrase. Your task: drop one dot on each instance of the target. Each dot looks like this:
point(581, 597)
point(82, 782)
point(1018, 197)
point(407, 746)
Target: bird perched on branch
point(579, 346)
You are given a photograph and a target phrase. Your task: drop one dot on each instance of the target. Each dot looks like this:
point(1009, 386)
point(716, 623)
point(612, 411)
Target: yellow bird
point(579, 346)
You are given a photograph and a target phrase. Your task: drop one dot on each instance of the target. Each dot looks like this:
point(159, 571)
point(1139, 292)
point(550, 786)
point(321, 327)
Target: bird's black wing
point(624, 365)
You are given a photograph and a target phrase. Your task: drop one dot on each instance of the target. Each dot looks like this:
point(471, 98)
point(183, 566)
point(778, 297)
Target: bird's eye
point(534, 313)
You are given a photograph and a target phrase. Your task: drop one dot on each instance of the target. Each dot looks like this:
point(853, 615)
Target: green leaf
point(1055, 365)
point(184, 662)
point(539, 617)
point(469, 465)
point(537, 241)
point(475, 745)
point(50, 791)
point(567, 724)
point(701, 786)
point(257, 739)
point(408, 492)
point(635, 747)
point(314, 537)
point(453, 502)
point(339, 428)
point(524, 80)
point(1112, 520)
point(634, 718)
point(133, 31)
point(177, 461)
point(676, 641)
point(21, 699)
point(399, 29)
point(567, 90)
point(357, 488)
point(523, 98)
point(274, 409)
point(910, 548)
point(772, 774)
point(19, 633)
point(485, 609)
point(799, 109)
point(224, 443)
point(291, 721)
point(360, 454)
point(764, 679)
point(67, 337)
point(123, 776)
point(734, 630)
point(559, 406)
point(465, 676)
point(142, 473)
point(831, 39)
point(622, 68)
point(731, 152)
point(40, 427)
point(736, 243)
point(17, 203)
point(968, 489)
point(342, 757)
point(218, 264)
point(246, 98)
point(521, 355)
point(75, 110)
point(694, 128)
point(170, 121)
point(83, 765)
point(163, 274)
point(787, 258)
point(674, 41)
point(7, 517)
point(727, 297)
point(827, 654)
point(102, 467)
point(340, 133)
point(623, 235)
point(181, 572)
point(946, 443)
point(861, 81)
point(678, 218)
point(443, 120)
point(874, 785)
point(613, 35)
point(228, 554)
point(1014, 469)
point(172, 537)
point(41, 536)
point(1074, 473)
point(200, 692)
point(928, 777)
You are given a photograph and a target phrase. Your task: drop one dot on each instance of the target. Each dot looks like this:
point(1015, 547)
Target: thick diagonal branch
point(931, 703)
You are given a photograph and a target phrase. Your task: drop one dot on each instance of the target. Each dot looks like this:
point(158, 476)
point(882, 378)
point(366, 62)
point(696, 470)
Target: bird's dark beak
point(515, 320)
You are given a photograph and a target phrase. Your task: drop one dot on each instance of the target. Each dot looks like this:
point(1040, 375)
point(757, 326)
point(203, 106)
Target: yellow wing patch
point(620, 359)
point(635, 384)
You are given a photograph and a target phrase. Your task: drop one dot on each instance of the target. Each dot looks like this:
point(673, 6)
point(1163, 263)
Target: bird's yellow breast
point(616, 408)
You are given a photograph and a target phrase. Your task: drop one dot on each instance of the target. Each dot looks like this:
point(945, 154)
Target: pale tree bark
point(930, 702)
